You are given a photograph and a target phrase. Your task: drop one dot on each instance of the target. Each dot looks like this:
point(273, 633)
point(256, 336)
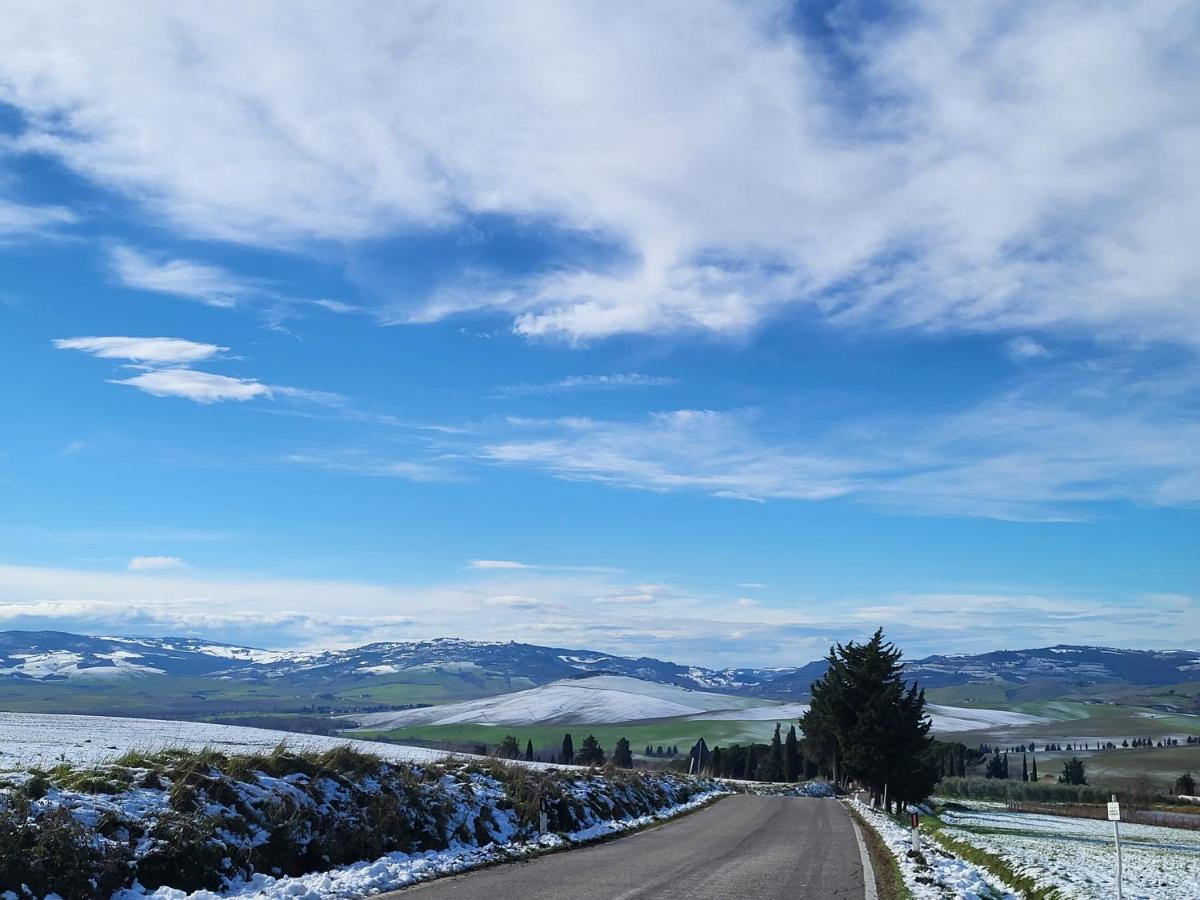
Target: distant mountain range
point(50, 657)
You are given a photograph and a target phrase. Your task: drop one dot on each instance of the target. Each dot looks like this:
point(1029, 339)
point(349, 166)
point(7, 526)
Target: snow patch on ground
point(1078, 857)
point(945, 877)
point(37, 739)
point(398, 870)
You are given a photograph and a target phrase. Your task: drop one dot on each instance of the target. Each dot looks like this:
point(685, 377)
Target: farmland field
point(1077, 856)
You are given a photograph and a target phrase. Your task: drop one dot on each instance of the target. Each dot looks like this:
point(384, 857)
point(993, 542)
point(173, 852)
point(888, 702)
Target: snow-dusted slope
point(605, 698)
point(612, 698)
point(43, 739)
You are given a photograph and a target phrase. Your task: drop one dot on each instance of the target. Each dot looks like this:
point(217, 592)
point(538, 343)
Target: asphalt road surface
point(742, 848)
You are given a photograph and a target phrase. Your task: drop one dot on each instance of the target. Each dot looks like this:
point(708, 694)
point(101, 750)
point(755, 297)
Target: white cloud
point(175, 351)
point(497, 564)
point(20, 220)
point(747, 601)
point(1023, 347)
point(200, 387)
point(359, 464)
point(210, 285)
point(155, 563)
point(679, 625)
point(964, 171)
point(1045, 449)
point(589, 382)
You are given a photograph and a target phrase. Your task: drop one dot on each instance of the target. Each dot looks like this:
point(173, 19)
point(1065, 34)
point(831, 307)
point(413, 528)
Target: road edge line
point(868, 871)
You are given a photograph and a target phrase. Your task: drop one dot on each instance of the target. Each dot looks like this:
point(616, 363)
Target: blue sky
point(715, 333)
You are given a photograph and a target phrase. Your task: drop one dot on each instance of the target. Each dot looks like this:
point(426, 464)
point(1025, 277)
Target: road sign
point(1114, 816)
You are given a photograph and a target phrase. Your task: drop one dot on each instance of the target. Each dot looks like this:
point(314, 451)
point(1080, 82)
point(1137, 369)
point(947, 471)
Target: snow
point(958, 718)
point(598, 700)
point(617, 698)
point(398, 870)
point(59, 664)
point(40, 739)
point(945, 875)
point(1077, 856)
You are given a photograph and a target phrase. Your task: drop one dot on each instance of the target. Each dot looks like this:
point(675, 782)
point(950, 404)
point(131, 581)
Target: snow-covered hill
point(610, 699)
point(47, 656)
point(589, 701)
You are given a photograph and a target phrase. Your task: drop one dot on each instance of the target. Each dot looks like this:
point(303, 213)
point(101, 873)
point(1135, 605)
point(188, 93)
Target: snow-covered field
point(588, 701)
point(946, 877)
point(1077, 856)
point(608, 699)
point(35, 739)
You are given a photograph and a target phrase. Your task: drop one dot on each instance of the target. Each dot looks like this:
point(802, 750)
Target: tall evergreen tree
point(1024, 767)
point(590, 754)
point(622, 755)
point(509, 748)
point(568, 750)
point(771, 767)
point(793, 765)
point(1033, 775)
point(1074, 771)
point(529, 751)
point(750, 772)
point(864, 724)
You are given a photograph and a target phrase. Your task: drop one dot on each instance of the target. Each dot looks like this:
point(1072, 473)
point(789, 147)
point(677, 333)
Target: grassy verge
point(889, 882)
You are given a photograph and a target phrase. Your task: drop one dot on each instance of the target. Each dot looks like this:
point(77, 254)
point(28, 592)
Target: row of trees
point(589, 754)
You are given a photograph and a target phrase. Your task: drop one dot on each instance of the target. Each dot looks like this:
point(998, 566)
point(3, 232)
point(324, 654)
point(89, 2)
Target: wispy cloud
point(199, 387)
point(358, 463)
point(1026, 348)
point(959, 171)
point(155, 563)
point(616, 381)
point(168, 373)
point(174, 351)
point(1045, 449)
point(18, 220)
point(208, 284)
point(497, 564)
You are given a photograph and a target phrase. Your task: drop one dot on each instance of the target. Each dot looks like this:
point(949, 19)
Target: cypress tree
point(793, 765)
point(529, 750)
point(590, 754)
point(1033, 776)
point(509, 748)
point(622, 755)
point(751, 769)
point(568, 750)
point(771, 768)
point(1024, 767)
point(863, 722)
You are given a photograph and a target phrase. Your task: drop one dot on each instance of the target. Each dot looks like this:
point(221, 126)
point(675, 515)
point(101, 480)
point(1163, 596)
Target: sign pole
point(1114, 816)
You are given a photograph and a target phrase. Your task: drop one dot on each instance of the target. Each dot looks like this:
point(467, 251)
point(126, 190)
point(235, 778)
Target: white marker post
point(1114, 816)
point(916, 832)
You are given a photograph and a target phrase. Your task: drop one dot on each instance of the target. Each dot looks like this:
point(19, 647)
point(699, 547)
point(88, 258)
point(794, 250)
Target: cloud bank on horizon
point(396, 287)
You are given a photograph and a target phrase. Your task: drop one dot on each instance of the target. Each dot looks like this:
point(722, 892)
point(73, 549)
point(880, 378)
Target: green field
point(681, 732)
point(200, 698)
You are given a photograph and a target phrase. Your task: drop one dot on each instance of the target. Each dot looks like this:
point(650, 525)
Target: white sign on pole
point(1114, 816)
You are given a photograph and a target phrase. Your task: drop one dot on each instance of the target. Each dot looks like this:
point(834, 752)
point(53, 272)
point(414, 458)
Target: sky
point(713, 332)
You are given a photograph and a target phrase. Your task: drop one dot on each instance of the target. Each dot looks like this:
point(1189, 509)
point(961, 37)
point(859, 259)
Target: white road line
point(868, 872)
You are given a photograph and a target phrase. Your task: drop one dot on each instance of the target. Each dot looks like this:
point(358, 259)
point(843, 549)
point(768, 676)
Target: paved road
point(743, 847)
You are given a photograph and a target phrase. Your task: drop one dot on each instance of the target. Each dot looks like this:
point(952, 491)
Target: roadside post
point(1114, 816)
point(916, 830)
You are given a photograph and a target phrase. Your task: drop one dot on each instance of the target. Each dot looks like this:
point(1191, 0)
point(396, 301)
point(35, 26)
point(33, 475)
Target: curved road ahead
point(742, 847)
